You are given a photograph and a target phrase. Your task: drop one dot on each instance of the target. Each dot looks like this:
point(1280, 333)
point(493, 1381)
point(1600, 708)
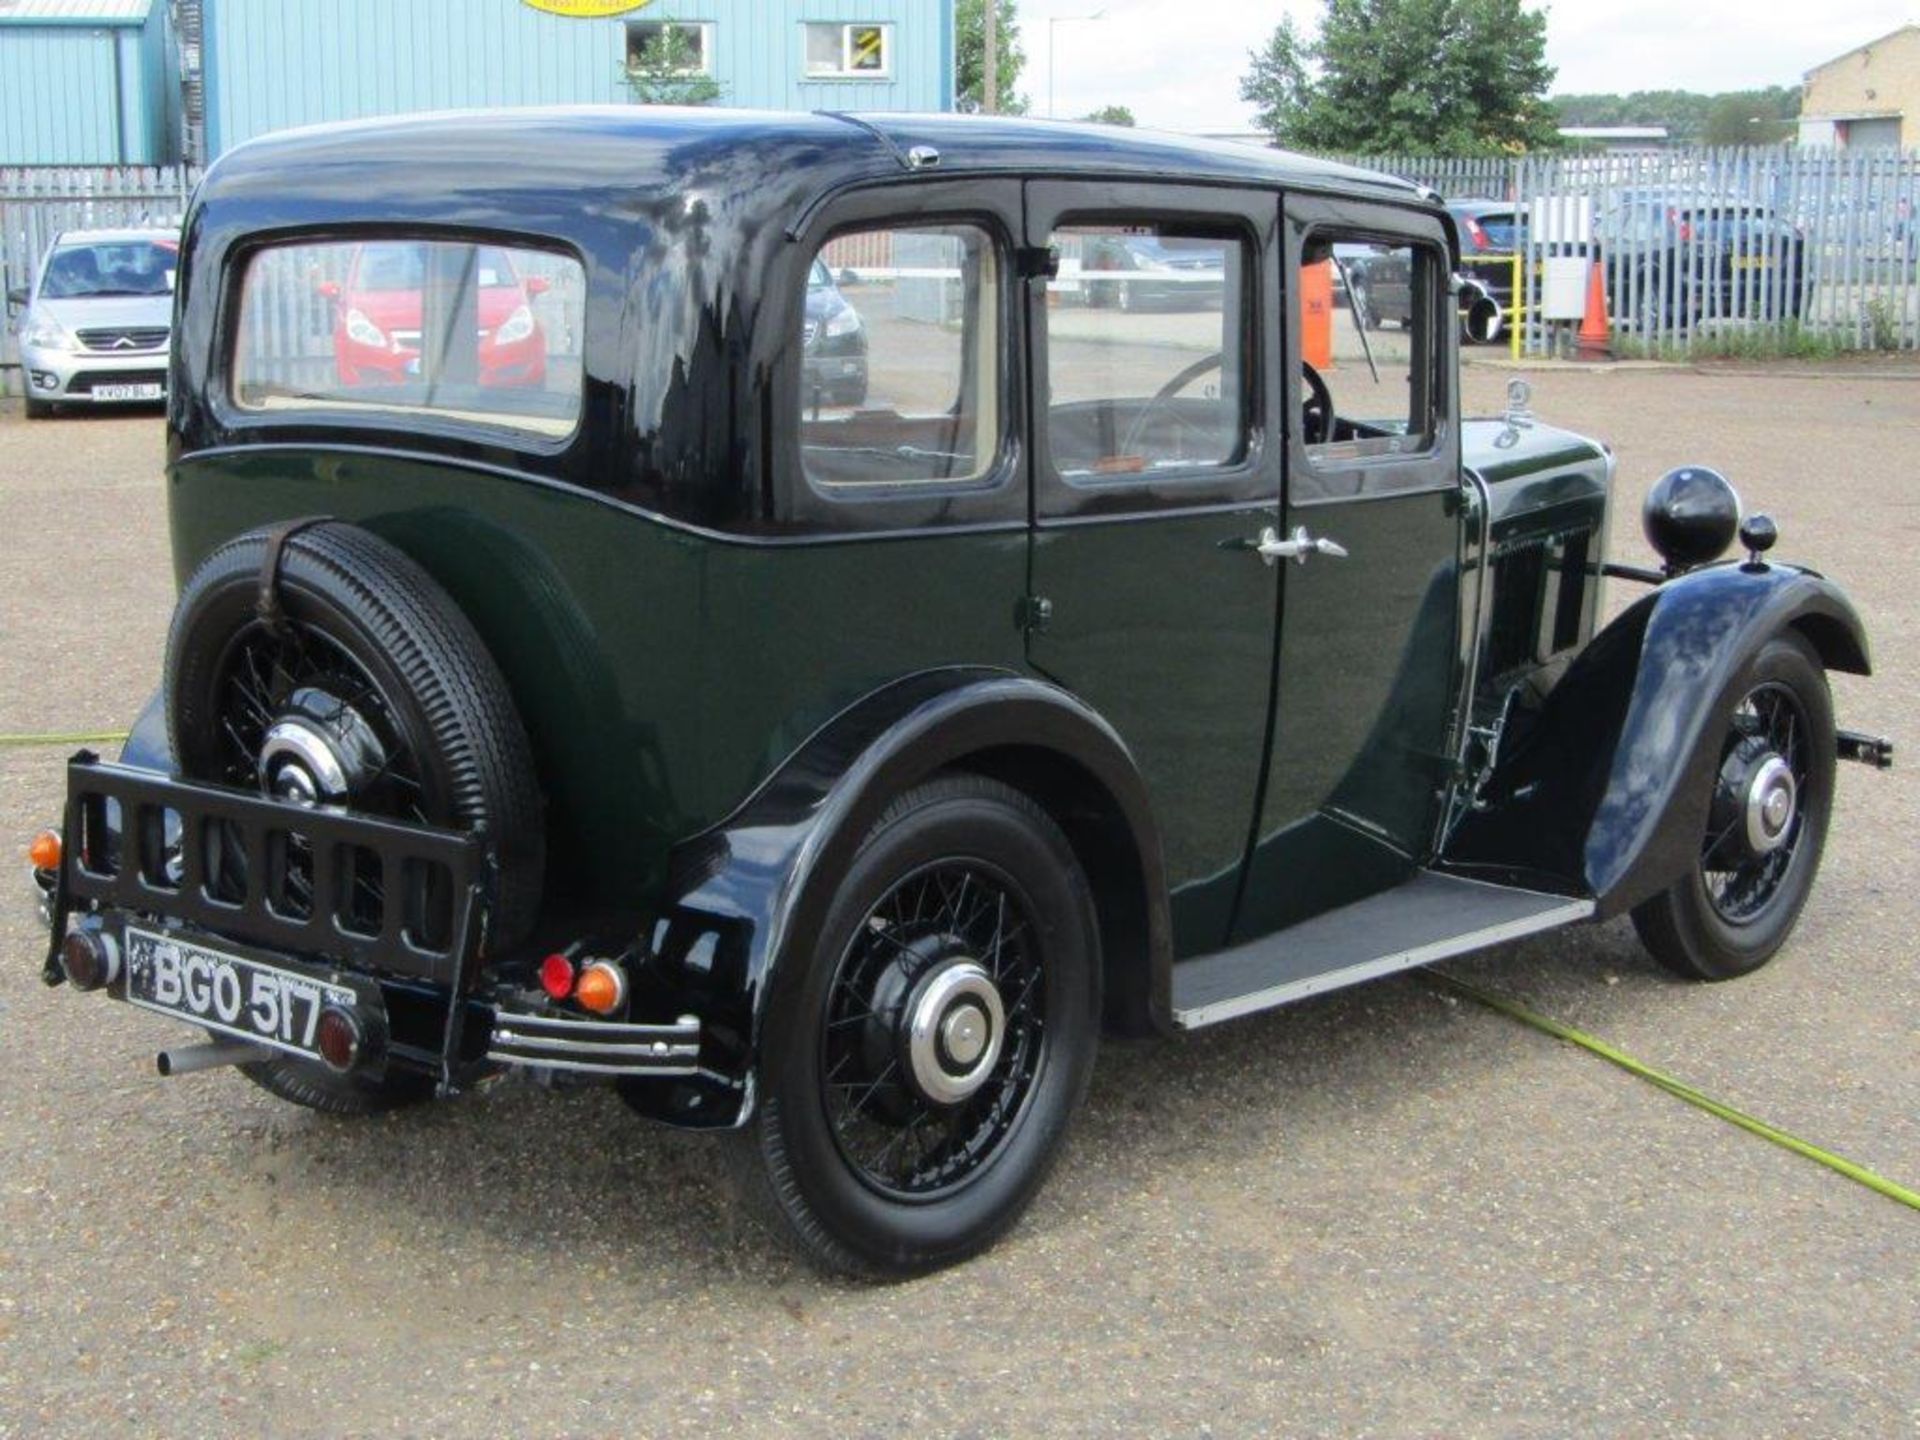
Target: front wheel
point(1766, 824)
point(921, 1066)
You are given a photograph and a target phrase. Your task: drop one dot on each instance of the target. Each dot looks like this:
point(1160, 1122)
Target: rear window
point(483, 334)
point(1501, 231)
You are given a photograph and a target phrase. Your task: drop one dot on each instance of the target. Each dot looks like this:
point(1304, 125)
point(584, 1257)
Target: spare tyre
point(361, 685)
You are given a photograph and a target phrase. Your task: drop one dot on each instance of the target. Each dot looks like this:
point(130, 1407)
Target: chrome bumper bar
point(601, 1047)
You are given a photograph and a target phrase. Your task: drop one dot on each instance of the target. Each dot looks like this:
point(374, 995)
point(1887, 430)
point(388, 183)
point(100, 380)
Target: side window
point(1375, 352)
point(901, 371)
point(1146, 353)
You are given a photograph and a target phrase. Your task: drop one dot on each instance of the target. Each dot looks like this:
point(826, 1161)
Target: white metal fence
point(1694, 245)
point(1783, 246)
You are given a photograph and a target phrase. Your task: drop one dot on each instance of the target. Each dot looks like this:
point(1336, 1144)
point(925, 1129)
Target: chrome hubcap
point(1771, 797)
point(955, 1024)
point(318, 752)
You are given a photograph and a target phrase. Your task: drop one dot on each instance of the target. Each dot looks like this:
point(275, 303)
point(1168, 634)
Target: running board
point(1428, 918)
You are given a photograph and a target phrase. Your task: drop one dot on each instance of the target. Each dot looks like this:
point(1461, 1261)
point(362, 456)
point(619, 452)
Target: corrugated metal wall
point(60, 96)
point(271, 64)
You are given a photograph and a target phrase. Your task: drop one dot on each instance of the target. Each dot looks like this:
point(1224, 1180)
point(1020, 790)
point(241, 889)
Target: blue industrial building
point(99, 82)
point(269, 64)
point(87, 82)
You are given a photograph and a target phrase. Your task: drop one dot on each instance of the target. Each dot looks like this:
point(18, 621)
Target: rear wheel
point(1766, 824)
point(372, 692)
point(927, 1058)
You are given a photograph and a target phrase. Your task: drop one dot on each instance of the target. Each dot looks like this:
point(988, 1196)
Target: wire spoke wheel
point(925, 1054)
point(1742, 873)
point(949, 953)
point(1769, 798)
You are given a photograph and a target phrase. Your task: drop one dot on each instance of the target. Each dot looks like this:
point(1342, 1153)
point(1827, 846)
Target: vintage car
point(832, 777)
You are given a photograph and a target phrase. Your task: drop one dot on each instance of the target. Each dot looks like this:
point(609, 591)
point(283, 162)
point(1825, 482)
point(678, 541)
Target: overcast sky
point(1178, 65)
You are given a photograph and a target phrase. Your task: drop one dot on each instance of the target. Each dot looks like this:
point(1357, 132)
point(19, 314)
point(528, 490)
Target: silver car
point(98, 318)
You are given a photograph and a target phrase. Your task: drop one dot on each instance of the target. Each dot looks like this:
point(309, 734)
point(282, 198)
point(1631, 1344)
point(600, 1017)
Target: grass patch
point(1791, 341)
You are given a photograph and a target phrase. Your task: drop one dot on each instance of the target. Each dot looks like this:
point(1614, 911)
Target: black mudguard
point(1605, 795)
point(753, 891)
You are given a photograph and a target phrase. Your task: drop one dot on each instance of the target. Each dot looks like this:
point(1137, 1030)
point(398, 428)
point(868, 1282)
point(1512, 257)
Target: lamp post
point(1052, 22)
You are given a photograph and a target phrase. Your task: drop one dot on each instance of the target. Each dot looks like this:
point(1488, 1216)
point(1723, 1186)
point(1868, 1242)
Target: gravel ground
point(1382, 1212)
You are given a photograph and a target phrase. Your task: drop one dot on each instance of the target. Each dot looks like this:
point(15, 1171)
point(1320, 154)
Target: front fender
point(752, 892)
point(1606, 795)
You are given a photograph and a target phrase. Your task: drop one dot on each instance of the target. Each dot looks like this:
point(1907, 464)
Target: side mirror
point(16, 301)
point(536, 285)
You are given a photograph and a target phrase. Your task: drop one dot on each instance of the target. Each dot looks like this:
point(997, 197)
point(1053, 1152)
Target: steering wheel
point(1316, 414)
point(1165, 393)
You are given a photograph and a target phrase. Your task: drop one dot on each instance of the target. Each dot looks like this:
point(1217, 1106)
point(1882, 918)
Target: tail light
point(1674, 217)
point(89, 959)
point(44, 852)
point(338, 1037)
point(602, 988)
point(557, 976)
point(1476, 234)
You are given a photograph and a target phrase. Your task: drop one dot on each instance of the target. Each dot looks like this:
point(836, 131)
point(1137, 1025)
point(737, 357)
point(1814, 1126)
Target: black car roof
point(431, 159)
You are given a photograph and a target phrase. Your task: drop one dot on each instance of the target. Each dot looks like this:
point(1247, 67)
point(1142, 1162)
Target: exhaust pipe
point(207, 1057)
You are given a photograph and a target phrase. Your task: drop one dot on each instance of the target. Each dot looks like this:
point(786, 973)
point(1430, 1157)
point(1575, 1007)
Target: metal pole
point(990, 65)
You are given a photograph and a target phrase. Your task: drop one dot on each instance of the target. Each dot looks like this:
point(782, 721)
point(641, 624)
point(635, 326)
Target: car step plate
point(1428, 918)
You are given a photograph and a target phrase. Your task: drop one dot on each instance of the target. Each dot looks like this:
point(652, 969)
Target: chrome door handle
point(1296, 547)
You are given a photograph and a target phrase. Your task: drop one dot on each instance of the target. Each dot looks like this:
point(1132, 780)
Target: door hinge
point(1038, 262)
point(1035, 613)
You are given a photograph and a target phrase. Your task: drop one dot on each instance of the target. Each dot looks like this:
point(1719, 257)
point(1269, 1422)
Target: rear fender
point(753, 892)
point(1606, 794)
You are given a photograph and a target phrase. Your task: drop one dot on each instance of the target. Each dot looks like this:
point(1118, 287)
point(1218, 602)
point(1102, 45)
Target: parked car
point(828, 780)
point(1674, 259)
point(1148, 271)
point(94, 324)
point(380, 309)
point(834, 371)
point(1489, 230)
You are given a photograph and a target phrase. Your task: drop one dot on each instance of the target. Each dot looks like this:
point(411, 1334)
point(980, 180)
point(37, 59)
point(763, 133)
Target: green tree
point(1691, 118)
point(1110, 115)
point(970, 55)
point(664, 67)
point(1456, 77)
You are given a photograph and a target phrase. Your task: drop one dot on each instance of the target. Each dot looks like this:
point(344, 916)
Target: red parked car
point(377, 317)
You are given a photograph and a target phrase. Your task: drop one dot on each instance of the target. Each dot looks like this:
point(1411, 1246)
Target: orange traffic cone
point(1595, 340)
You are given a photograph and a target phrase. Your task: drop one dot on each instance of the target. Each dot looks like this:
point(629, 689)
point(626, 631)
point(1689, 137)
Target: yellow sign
point(587, 9)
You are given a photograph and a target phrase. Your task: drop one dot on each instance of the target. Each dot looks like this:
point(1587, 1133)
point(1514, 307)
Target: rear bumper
point(143, 851)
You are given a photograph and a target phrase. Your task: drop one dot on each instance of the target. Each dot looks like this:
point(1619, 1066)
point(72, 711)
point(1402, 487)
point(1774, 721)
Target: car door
point(1155, 473)
point(1369, 604)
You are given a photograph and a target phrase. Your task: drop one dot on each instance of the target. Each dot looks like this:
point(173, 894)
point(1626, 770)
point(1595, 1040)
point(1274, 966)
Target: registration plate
point(228, 993)
point(128, 392)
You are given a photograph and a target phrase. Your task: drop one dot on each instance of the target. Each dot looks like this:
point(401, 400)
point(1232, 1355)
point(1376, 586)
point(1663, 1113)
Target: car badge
point(124, 342)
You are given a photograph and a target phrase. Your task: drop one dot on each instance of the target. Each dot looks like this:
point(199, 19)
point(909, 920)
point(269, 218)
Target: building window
point(670, 47)
point(841, 52)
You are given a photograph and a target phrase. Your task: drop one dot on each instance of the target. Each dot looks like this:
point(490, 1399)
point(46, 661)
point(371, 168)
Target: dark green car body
point(726, 670)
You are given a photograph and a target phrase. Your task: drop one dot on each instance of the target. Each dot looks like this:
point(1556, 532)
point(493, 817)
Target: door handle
point(1296, 547)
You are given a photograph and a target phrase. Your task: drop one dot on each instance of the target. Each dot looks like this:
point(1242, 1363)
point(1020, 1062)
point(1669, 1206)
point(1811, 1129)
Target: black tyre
point(375, 693)
point(38, 409)
point(1766, 826)
point(921, 1069)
